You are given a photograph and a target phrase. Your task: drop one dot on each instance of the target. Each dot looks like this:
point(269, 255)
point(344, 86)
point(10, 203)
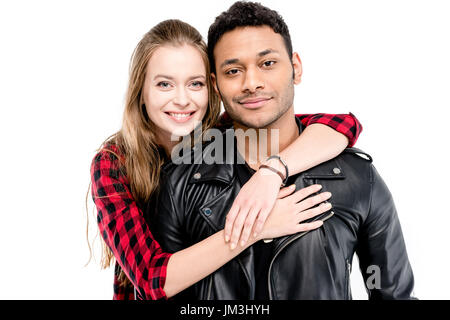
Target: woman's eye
point(197, 84)
point(163, 84)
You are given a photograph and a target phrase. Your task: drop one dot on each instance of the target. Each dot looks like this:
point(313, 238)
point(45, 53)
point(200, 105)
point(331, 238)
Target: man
point(254, 72)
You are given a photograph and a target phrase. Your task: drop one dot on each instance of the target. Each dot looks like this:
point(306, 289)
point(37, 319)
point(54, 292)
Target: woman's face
point(175, 90)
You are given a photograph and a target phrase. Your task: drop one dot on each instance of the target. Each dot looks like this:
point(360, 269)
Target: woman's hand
point(289, 211)
point(252, 206)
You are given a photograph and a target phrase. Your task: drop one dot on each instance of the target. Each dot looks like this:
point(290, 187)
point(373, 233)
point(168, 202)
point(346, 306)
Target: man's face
point(255, 76)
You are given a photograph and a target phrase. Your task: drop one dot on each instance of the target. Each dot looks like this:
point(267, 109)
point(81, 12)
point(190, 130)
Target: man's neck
point(258, 144)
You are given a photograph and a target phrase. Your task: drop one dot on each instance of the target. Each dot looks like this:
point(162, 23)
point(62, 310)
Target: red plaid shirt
point(125, 231)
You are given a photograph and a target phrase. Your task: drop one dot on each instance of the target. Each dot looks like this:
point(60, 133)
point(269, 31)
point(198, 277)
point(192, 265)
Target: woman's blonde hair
point(136, 140)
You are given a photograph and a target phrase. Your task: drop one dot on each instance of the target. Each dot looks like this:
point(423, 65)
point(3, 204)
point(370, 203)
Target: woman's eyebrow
point(163, 76)
point(197, 76)
point(172, 78)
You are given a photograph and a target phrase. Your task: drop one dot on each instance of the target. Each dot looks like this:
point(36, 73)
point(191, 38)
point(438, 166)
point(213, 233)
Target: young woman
point(169, 90)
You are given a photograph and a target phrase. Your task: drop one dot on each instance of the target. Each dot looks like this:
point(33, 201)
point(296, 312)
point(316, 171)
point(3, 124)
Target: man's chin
point(255, 123)
point(256, 119)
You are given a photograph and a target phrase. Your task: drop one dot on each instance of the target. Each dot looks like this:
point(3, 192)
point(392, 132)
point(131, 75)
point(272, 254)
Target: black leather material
point(312, 265)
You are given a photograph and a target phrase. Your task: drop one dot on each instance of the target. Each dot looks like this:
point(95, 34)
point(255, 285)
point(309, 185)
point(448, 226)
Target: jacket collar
point(225, 172)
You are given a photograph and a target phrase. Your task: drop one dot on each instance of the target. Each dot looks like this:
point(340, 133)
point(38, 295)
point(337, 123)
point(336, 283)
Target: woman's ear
point(297, 65)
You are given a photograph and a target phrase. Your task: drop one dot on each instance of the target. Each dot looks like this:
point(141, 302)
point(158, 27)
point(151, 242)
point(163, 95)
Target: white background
point(63, 73)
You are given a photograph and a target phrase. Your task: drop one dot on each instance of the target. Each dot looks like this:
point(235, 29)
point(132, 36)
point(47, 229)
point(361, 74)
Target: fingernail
point(328, 194)
point(319, 186)
point(233, 246)
point(227, 238)
point(242, 243)
point(255, 234)
point(292, 186)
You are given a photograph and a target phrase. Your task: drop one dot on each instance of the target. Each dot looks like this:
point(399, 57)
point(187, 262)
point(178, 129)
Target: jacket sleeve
point(167, 222)
point(381, 248)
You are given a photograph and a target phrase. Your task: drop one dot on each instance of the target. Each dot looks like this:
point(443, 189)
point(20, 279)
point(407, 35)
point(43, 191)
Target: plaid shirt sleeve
point(124, 228)
point(347, 124)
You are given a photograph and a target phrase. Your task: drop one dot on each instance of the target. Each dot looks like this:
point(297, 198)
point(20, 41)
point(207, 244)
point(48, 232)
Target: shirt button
point(197, 176)
point(336, 170)
point(207, 211)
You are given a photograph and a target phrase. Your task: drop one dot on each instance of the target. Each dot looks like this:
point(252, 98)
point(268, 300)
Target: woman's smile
point(181, 116)
point(175, 91)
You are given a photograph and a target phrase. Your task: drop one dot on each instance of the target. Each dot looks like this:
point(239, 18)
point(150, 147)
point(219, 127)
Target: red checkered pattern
point(346, 124)
point(125, 230)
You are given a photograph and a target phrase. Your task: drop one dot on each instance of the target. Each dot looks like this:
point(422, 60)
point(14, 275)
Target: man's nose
point(181, 97)
point(253, 80)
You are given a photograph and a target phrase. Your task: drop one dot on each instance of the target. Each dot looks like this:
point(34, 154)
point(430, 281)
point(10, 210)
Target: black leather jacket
point(195, 200)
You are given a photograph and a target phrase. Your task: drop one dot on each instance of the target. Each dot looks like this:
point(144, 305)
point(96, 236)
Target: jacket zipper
point(347, 278)
point(208, 297)
point(297, 236)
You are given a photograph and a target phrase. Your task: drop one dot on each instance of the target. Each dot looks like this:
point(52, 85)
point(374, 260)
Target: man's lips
point(254, 103)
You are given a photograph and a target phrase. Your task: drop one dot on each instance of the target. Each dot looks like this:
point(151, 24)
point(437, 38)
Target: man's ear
point(297, 65)
point(214, 83)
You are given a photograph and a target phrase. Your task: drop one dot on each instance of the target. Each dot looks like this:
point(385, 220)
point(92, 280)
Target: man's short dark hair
point(246, 14)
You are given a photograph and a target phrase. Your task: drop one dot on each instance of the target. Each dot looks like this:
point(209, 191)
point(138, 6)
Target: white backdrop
point(63, 73)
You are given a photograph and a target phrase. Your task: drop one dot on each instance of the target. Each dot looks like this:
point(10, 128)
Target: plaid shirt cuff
point(347, 124)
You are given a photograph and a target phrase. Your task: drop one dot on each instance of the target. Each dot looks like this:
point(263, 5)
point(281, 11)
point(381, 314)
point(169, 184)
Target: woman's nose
point(181, 98)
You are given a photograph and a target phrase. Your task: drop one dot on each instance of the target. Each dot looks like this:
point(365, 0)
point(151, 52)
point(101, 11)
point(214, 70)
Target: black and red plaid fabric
point(347, 124)
point(124, 229)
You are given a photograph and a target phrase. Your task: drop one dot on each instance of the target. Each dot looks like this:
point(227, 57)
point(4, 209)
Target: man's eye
point(269, 63)
point(232, 72)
